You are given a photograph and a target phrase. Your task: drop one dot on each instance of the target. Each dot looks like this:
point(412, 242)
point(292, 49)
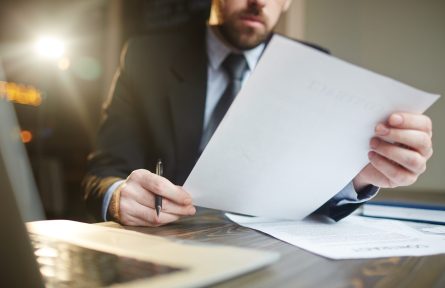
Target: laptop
point(62, 253)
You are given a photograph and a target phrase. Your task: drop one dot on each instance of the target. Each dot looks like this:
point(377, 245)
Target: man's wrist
point(106, 204)
point(113, 212)
point(360, 184)
point(348, 195)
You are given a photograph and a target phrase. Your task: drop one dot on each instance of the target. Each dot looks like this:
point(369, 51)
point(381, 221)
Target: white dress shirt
point(218, 80)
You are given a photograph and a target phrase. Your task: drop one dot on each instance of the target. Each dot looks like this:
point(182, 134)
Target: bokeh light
point(26, 136)
point(64, 64)
point(50, 47)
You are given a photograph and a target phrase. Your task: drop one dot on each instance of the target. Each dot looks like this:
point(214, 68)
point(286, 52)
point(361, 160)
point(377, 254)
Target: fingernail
point(192, 211)
point(381, 130)
point(370, 155)
point(187, 201)
point(374, 143)
point(396, 119)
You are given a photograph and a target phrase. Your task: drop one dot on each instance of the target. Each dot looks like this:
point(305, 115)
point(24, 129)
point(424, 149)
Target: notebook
point(417, 212)
point(62, 253)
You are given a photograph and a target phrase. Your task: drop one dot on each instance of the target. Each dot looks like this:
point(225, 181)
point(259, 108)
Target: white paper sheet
point(296, 134)
point(354, 237)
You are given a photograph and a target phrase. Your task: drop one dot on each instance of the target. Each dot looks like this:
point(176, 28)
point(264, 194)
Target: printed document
point(296, 134)
point(354, 237)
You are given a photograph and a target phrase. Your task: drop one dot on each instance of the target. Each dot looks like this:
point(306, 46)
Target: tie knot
point(235, 65)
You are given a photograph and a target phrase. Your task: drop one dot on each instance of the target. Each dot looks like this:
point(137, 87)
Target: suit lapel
point(187, 94)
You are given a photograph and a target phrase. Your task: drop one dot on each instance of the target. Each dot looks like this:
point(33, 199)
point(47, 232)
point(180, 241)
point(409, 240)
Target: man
point(164, 104)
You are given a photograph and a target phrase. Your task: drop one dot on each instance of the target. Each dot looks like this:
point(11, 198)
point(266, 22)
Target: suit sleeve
point(119, 147)
point(341, 205)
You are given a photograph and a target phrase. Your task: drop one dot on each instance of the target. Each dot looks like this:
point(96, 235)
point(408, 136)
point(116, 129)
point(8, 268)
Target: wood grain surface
point(299, 268)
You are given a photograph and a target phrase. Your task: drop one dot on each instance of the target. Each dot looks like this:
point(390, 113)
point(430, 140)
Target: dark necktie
point(235, 65)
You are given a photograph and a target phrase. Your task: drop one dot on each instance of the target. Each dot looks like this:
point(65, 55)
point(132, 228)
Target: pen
point(158, 198)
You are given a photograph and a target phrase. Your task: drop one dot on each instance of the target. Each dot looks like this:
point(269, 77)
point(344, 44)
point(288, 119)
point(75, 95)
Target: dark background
point(64, 125)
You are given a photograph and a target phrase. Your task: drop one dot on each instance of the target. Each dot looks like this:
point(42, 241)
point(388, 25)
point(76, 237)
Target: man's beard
point(244, 38)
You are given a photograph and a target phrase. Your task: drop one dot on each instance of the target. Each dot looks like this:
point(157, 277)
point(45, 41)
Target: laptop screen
point(61, 263)
point(16, 163)
point(19, 268)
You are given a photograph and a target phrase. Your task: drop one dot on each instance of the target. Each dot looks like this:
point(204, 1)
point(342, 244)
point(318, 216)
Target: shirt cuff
point(348, 195)
point(107, 198)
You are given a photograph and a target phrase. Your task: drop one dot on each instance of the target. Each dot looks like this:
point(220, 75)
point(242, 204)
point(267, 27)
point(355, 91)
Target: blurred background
point(59, 57)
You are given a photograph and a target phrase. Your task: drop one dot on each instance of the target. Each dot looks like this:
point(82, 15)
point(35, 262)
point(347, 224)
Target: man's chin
point(250, 41)
point(244, 38)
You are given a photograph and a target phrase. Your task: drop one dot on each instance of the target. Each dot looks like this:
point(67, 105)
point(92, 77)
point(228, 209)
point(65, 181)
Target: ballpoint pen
point(158, 198)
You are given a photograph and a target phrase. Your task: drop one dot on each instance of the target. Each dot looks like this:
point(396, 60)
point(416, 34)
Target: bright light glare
point(50, 47)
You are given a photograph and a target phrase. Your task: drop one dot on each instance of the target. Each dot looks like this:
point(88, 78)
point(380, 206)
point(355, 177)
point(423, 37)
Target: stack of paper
point(354, 237)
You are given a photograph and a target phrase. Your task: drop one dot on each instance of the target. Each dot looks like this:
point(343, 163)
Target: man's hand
point(135, 204)
point(399, 151)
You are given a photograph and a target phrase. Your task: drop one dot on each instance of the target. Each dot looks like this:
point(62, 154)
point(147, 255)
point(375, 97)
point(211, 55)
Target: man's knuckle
point(133, 174)
point(425, 142)
point(158, 187)
point(411, 162)
point(428, 124)
point(136, 175)
point(414, 163)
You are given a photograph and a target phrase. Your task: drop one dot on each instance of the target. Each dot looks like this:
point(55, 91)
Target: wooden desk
point(298, 268)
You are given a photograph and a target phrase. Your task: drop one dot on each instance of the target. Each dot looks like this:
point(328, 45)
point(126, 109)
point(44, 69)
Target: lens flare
point(50, 47)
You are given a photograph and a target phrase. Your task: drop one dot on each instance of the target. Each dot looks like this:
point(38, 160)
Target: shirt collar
point(217, 51)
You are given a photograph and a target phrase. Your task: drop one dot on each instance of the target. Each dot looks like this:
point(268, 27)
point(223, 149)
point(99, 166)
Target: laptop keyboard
point(64, 264)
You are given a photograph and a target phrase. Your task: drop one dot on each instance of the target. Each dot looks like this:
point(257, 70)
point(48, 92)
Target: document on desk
point(296, 134)
point(354, 237)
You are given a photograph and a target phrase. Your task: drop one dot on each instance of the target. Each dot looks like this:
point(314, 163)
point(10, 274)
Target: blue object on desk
point(405, 211)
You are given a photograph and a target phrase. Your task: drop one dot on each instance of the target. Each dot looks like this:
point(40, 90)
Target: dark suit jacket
point(155, 110)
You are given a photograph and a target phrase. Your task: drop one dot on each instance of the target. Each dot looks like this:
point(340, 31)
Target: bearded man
point(171, 91)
